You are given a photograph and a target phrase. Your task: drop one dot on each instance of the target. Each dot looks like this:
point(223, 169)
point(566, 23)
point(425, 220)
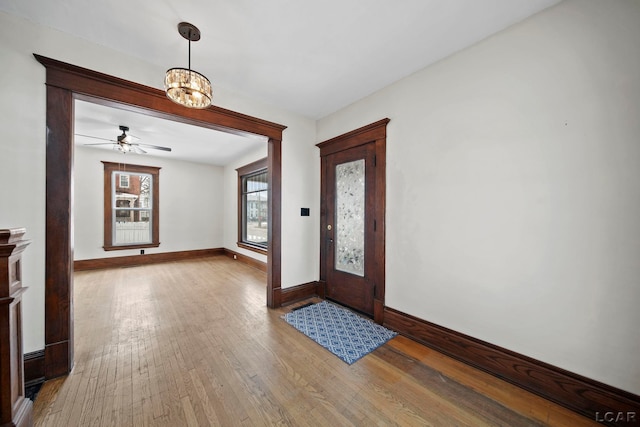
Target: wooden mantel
point(15, 408)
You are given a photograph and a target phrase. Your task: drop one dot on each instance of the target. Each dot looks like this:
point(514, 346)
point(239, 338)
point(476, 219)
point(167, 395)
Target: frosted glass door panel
point(350, 208)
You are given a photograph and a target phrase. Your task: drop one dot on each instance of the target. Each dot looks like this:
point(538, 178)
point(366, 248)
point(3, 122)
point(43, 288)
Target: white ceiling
point(307, 57)
point(187, 142)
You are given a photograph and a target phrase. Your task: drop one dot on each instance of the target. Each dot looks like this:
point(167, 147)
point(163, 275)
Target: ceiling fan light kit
point(124, 142)
point(185, 86)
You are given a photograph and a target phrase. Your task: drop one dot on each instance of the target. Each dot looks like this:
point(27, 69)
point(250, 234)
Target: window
point(253, 200)
point(130, 206)
point(124, 180)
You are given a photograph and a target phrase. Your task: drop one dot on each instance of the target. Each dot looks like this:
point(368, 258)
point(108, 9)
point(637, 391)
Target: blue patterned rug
point(339, 330)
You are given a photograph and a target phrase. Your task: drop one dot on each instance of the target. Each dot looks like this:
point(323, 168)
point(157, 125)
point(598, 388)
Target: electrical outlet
point(235, 256)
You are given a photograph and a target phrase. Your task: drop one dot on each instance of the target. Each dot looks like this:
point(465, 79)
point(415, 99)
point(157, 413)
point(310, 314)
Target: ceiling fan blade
point(123, 143)
point(137, 149)
point(95, 137)
point(155, 147)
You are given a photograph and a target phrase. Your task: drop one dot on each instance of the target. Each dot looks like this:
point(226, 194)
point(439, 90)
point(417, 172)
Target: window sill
point(254, 248)
point(123, 247)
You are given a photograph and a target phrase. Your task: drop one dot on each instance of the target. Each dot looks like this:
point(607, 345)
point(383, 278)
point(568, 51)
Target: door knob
point(329, 227)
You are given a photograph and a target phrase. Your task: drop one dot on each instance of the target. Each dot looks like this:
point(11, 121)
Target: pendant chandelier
point(185, 86)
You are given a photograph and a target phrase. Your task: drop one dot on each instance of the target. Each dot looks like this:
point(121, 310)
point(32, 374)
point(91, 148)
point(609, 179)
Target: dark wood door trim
point(66, 82)
point(274, 230)
point(113, 91)
point(58, 287)
point(376, 133)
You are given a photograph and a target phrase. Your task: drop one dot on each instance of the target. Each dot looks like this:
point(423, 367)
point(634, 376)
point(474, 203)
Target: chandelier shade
point(185, 86)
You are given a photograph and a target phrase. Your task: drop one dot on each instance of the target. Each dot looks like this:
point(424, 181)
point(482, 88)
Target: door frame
point(65, 83)
point(373, 133)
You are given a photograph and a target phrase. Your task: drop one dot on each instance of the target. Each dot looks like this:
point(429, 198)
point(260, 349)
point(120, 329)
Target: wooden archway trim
point(66, 82)
point(151, 101)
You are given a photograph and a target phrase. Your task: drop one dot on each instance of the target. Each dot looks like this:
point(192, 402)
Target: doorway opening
point(66, 83)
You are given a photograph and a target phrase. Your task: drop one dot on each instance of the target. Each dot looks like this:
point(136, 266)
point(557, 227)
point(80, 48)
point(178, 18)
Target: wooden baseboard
point(34, 368)
point(298, 293)
point(262, 266)
point(134, 260)
point(580, 394)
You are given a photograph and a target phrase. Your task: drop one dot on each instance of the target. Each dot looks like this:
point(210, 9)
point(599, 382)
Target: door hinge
point(375, 160)
point(375, 225)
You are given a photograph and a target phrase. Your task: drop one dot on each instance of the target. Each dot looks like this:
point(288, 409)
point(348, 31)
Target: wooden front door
point(352, 219)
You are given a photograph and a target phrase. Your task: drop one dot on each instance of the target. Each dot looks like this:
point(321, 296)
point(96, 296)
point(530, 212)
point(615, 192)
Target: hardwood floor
point(192, 343)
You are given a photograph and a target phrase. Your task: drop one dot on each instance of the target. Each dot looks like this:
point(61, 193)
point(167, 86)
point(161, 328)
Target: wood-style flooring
point(192, 343)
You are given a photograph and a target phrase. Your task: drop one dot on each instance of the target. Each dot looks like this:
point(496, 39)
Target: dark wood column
point(58, 329)
point(15, 409)
point(274, 227)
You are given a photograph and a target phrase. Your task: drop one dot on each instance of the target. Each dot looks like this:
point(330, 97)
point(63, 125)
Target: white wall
point(300, 189)
point(191, 203)
point(22, 152)
point(513, 182)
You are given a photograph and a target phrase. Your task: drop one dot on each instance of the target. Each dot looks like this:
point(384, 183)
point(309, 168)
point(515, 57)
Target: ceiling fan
point(124, 143)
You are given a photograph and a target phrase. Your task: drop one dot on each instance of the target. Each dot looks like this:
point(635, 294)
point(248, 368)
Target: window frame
point(109, 169)
point(120, 184)
point(250, 169)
